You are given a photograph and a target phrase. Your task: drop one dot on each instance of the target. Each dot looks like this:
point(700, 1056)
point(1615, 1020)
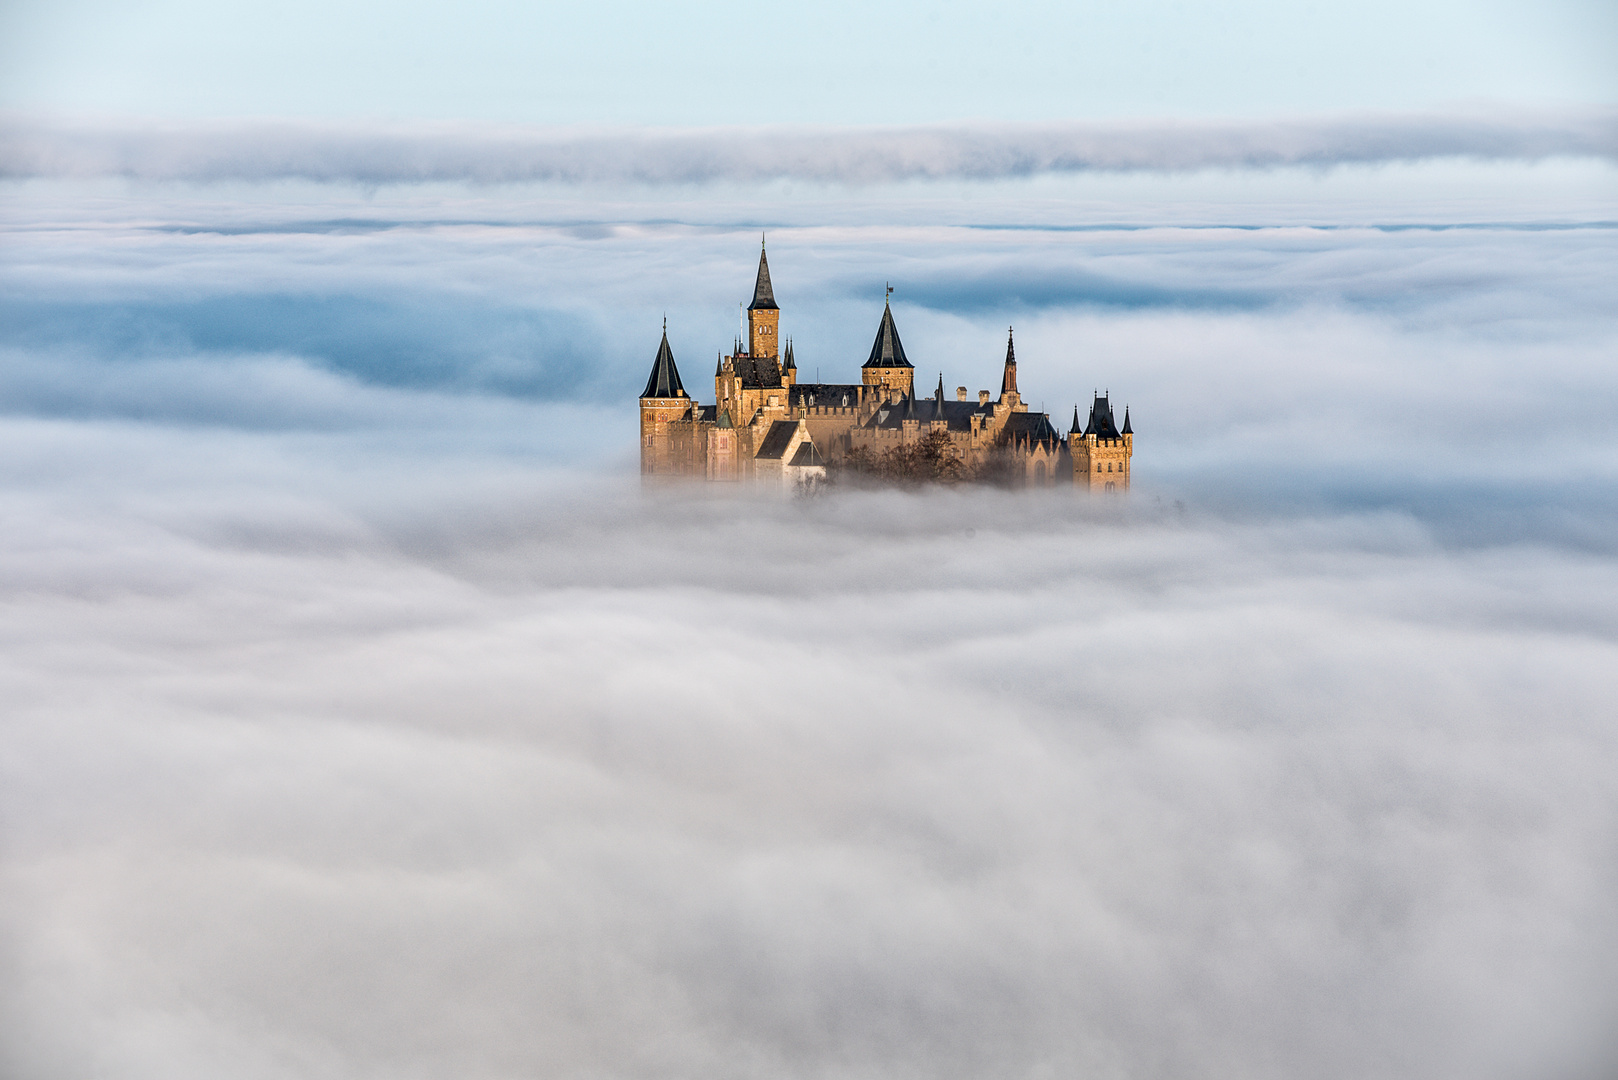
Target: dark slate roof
point(1101, 422)
point(1008, 381)
point(763, 293)
point(825, 395)
point(957, 414)
point(887, 350)
point(1126, 429)
point(1029, 427)
point(806, 455)
point(938, 400)
point(789, 364)
point(708, 413)
point(775, 443)
point(664, 381)
point(757, 372)
point(1075, 429)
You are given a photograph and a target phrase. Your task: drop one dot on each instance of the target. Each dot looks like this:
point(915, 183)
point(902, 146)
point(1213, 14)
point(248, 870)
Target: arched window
point(1098, 466)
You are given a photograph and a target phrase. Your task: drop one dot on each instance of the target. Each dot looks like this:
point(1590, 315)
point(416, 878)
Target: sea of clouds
point(363, 718)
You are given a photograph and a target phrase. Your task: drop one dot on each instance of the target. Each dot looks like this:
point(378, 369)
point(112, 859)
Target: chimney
point(960, 393)
point(983, 397)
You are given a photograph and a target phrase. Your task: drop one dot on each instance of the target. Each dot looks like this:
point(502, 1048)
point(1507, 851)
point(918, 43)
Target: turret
point(1101, 454)
point(662, 403)
point(763, 317)
point(789, 368)
point(887, 366)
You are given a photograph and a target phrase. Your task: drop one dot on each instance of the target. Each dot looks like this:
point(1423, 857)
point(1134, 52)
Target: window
point(1098, 466)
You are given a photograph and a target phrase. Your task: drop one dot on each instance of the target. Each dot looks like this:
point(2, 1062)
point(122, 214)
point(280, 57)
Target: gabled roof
point(806, 455)
point(957, 414)
point(774, 446)
point(763, 293)
point(1008, 381)
point(757, 372)
point(1030, 427)
point(1101, 422)
point(664, 381)
point(708, 413)
point(887, 350)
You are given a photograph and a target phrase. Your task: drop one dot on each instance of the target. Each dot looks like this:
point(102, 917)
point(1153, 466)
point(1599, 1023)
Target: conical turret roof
point(938, 399)
point(1126, 430)
point(664, 382)
point(887, 350)
point(1075, 429)
point(763, 293)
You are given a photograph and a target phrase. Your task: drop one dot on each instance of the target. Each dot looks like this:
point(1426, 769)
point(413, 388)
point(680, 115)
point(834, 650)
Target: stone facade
point(767, 428)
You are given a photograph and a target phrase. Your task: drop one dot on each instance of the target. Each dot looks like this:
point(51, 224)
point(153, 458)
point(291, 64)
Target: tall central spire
point(763, 294)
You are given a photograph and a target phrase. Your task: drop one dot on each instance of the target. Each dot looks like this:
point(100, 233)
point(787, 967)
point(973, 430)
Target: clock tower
point(763, 317)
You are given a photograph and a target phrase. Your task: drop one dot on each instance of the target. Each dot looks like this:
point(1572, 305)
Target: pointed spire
point(763, 293)
point(1008, 381)
point(938, 400)
point(1127, 430)
point(1075, 429)
point(790, 364)
point(719, 366)
point(664, 382)
point(887, 350)
point(910, 407)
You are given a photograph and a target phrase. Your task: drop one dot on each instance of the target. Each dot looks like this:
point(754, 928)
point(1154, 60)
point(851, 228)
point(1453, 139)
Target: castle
point(767, 428)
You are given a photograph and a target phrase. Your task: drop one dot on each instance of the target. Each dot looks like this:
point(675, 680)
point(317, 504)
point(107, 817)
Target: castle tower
point(763, 317)
point(662, 403)
point(887, 367)
point(1008, 379)
point(1101, 453)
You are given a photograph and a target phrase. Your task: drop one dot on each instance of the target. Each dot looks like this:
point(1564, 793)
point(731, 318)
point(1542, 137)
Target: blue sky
point(619, 62)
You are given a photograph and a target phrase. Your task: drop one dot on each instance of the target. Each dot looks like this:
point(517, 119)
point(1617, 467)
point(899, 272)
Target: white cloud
point(404, 154)
point(599, 785)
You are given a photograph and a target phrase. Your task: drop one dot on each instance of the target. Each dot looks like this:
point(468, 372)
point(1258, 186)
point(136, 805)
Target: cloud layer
point(304, 779)
point(393, 154)
point(359, 717)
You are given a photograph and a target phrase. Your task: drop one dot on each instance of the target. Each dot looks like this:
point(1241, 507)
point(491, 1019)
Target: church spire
point(664, 381)
point(1008, 381)
point(763, 293)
